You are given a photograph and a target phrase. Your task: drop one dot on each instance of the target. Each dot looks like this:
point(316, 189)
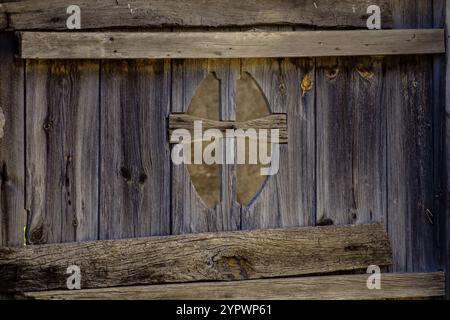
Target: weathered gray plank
point(227, 74)
point(408, 101)
point(288, 198)
point(351, 142)
point(51, 15)
point(199, 257)
point(135, 159)
point(274, 121)
point(189, 213)
point(12, 145)
point(62, 151)
point(344, 287)
point(181, 45)
point(439, 118)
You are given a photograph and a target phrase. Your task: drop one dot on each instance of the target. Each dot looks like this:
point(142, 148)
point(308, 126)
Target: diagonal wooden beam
point(341, 287)
point(161, 45)
point(101, 14)
point(196, 257)
point(273, 121)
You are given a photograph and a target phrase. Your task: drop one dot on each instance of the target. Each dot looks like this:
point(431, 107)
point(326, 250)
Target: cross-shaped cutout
point(252, 111)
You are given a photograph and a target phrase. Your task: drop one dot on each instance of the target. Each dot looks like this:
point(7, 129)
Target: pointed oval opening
point(206, 178)
point(251, 103)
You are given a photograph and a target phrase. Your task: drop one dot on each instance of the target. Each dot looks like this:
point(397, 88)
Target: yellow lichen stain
point(306, 85)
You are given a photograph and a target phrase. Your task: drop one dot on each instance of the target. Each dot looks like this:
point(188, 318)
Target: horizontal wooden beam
point(196, 257)
point(100, 14)
point(273, 121)
point(160, 45)
point(342, 287)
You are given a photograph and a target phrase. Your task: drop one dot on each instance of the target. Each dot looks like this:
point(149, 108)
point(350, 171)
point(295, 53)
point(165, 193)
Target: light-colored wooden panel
point(100, 14)
point(196, 257)
point(345, 287)
point(82, 45)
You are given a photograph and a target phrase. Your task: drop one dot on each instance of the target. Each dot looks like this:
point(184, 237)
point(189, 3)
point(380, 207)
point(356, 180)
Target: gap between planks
point(175, 45)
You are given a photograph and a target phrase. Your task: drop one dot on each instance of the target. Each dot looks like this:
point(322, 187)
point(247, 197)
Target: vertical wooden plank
point(351, 152)
point(408, 99)
point(62, 151)
point(288, 198)
point(12, 144)
point(228, 73)
point(189, 214)
point(439, 92)
point(135, 158)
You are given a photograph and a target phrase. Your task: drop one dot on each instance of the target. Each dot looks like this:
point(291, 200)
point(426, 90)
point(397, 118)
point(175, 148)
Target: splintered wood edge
point(223, 256)
point(342, 287)
point(174, 45)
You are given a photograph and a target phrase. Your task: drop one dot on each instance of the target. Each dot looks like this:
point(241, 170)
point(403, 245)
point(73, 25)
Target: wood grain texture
point(189, 214)
point(410, 164)
point(51, 15)
point(135, 158)
point(288, 198)
point(408, 102)
point(62, 151)
point(351, 142)
point(199, 257)
point(345, 287)
point(183, 45)
point(271, 122)
point(13, 216)
point(439, 119)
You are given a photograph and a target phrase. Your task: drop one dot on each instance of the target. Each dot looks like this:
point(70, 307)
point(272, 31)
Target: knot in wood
point(231, 266)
